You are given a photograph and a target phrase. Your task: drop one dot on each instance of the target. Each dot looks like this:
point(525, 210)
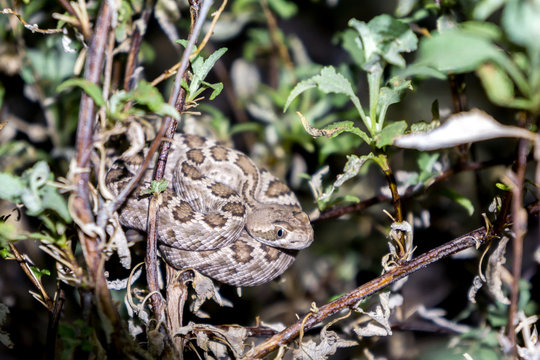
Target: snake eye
point(280, 233)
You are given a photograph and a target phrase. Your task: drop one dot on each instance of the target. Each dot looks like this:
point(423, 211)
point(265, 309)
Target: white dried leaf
point(233, 338)
point(315, 183)
point(494, 270)
point(121, 284)
point(531, 346)
point(134, 329)
point(118, 242)
point(473, 290)
point(379, 326)
point(329, 343)
point(205, 290)
point(4, 336)
point(462, 128)
point(136, 139)
point(66, 44)
point(437, 317)
point(274, 326)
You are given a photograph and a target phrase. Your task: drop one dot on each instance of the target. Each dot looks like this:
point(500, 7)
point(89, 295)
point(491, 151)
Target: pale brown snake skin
point(220, 213)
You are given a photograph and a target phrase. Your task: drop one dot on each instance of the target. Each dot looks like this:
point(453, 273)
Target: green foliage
point(75, 337)
point(34, 190)
point(156, 187)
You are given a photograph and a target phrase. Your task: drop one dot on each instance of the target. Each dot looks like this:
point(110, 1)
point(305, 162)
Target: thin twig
point(54, 319)
point(136, 40)
point(177, 100)
point(519, 218)
point(83, 29)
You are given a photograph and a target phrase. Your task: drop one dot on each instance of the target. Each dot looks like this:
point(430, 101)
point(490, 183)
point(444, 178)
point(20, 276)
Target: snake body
point(220, 214)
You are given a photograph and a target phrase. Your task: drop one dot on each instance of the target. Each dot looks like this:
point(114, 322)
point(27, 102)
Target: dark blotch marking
point(215, 220)
point(219, 153)
point(183, 212)
point(195, 155)
point(242, 251)
point(277, 188)
point(247, 166)
point(191, 172)
point(193, 141)
point(235, 208)
point(171, 234)
point(221, 190)
point(271, 253)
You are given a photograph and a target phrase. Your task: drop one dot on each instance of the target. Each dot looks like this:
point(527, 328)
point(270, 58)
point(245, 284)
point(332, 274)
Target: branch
point(476, 238)
point(176, 99)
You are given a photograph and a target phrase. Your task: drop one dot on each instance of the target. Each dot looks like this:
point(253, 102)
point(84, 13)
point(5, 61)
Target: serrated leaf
point(460, 200)
point(297, 90)
point(12, 187)
point(156, 187)
point(390, 132)
point(89, 87)
point(202, 67)
point(385, 37)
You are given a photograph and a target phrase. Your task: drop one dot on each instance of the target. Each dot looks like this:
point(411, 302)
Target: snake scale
point(220, 214)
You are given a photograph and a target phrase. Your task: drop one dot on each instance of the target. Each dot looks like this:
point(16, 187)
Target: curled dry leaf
point(216, 341)
point(462, 128)
point(204, 290)
point(378, 324)
point(494, 271)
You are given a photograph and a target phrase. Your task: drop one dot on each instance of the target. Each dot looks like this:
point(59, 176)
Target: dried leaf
point(379, 326)
point(494, 270)
point(204, 290)
point(462, 128)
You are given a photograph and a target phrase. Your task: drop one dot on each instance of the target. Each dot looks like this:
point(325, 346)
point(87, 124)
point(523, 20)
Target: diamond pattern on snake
point(220, 213)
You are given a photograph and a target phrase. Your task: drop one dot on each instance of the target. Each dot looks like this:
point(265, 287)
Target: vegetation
point(409, 133)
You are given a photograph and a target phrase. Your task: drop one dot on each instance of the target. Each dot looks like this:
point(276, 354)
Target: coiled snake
point(220, 213)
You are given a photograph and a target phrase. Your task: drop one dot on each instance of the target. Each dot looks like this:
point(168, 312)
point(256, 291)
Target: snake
point(220, 213)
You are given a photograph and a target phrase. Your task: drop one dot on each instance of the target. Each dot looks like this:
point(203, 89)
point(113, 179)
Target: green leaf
point(456, 51)
point(390, 132)
point(285, 9)
point(147, 95)
point(156, 187)
point(39, 272)
point(459, 199)
point(520, 21)
point(389, 95)
point(353, 45)
point(385, 37)
point(497, 84)
point(297, 90)
point(12, 187)
point(54, 201)
point(89, 87)
point(329, 81)
point(201, 68)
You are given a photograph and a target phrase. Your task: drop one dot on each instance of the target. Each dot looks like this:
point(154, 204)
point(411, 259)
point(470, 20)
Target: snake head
point(280, 226)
